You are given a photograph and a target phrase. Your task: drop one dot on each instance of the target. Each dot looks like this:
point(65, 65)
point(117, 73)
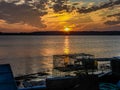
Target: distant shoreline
point(66, 33)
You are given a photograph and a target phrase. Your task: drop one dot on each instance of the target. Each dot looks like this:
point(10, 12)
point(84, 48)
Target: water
point(31, 54)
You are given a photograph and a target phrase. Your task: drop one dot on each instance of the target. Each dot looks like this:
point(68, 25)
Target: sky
point(56, 15)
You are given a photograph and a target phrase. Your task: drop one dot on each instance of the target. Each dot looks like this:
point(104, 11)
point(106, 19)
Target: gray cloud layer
point(12, 13)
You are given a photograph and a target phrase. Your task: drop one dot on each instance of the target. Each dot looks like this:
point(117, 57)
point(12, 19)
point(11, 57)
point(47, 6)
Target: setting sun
point(67, 29)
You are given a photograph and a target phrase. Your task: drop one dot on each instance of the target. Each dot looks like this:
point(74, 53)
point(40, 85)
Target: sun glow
point(67, 29)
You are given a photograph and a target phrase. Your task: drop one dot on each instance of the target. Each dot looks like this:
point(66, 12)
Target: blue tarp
point(108, 86)
point(7, 81)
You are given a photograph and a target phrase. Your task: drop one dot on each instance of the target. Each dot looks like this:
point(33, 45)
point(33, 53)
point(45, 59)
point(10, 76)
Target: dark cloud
point(94, 8)
point(57, 7)
point(25, 14)
point(41, 4)
point(61, 5)
point(76, 3)
point(114, 15)
point(113, 22)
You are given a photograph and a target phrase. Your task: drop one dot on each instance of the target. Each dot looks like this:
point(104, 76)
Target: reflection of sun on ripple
point(66, 45)
point(66, 49)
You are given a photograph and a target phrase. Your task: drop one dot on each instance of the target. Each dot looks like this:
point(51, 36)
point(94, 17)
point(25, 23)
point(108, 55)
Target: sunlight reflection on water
point(66, 45)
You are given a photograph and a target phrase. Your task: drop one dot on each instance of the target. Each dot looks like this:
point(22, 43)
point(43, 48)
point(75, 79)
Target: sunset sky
point(56, 15)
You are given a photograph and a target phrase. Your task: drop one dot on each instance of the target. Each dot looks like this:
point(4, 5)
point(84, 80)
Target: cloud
point(23, 14)
point(81, 6)
point(95, 8)
point(117, 14)
point(115, 21)
point(67, 5)
point(112, 22)
point(60, 5)
point(4, 27)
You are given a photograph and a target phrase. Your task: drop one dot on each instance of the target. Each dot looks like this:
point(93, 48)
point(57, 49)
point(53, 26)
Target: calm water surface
point(30, 54)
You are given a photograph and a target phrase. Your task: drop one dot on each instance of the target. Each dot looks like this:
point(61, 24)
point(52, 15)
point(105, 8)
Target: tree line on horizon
point(64, 33)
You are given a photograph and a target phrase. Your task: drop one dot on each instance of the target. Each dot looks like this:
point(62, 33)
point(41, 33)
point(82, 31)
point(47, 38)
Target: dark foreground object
point(83, 82)
point(73, 83)
point(7, 81)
